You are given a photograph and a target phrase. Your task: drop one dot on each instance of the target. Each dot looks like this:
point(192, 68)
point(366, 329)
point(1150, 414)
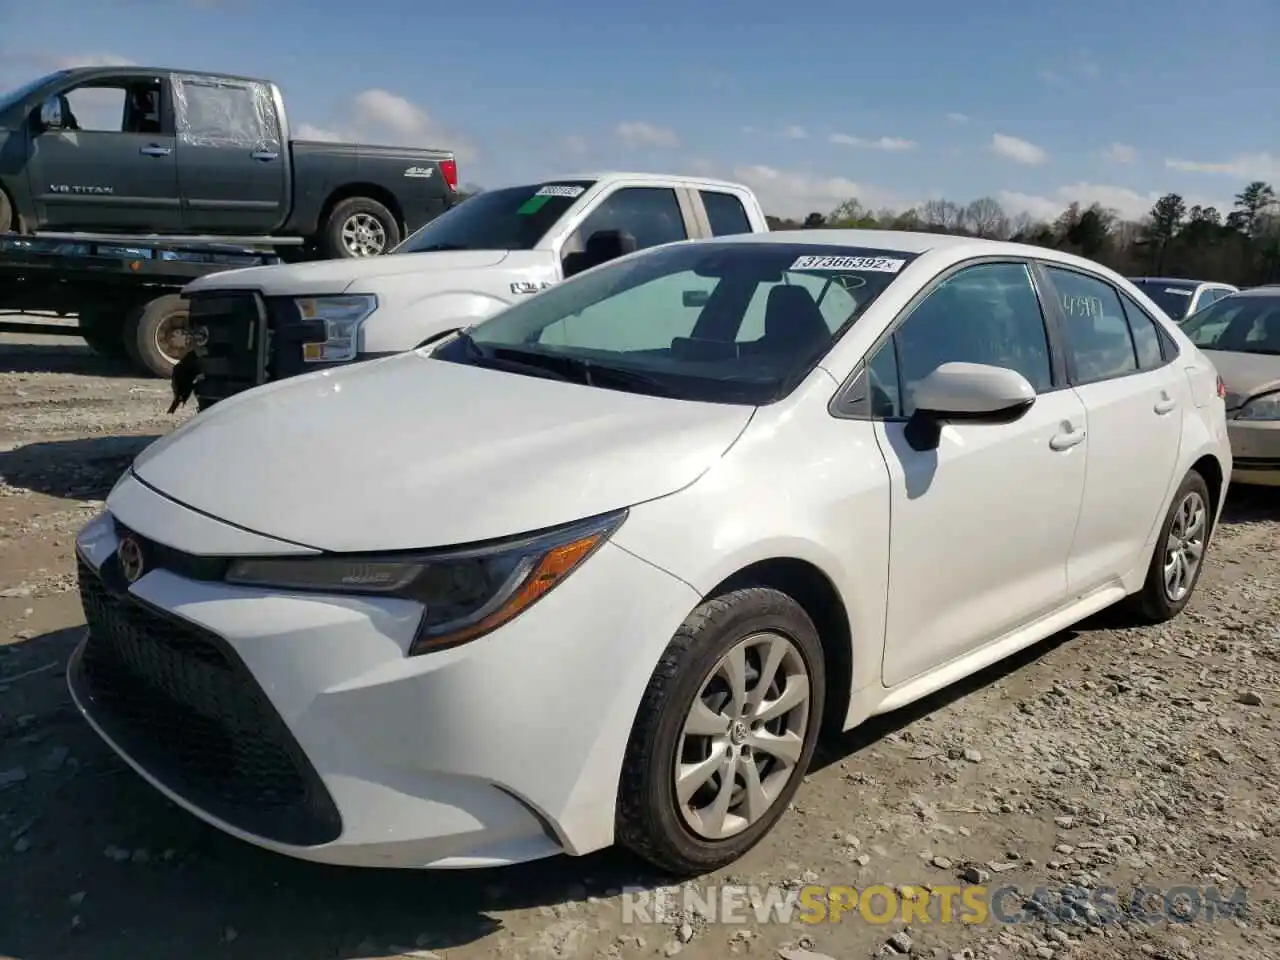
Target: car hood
point(1245, 374)
point(411, 452)
point(336, 276)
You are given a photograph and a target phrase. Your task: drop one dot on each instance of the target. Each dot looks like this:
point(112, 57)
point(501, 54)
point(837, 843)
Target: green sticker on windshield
point(533, 205)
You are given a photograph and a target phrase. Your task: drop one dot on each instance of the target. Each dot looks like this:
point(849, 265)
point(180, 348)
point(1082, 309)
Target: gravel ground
point(1107, 757)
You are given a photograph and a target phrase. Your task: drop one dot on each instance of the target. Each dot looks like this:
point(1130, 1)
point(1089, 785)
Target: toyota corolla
point(601, 568)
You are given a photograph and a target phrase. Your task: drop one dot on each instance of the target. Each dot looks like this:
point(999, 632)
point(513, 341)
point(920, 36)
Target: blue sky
point(1035, 104)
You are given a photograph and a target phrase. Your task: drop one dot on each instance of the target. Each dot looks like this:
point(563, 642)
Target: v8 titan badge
point(129, 555)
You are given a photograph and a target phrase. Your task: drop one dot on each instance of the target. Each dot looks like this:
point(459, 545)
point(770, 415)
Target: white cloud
point(636, 133)
point(958, 117)
point(1129, 204)
point(1121, 153)
point(795, 133)
point(888, 144)
point(792, 193)
point(374, 116)
point(1019, 151)
point(68, 61)
point(1249, 166)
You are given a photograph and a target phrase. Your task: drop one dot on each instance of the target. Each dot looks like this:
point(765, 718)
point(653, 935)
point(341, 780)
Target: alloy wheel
point(363, 235)
point(1184, 549)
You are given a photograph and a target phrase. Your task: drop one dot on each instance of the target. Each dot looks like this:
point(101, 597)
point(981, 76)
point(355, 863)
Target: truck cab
point(483, 255)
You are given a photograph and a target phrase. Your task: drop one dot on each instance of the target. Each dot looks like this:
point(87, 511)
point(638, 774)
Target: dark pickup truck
point(202, 154)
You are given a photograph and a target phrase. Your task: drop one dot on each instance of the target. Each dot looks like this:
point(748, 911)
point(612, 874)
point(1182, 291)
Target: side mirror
point(51, 114)
point(974, 391)
point(696, 298)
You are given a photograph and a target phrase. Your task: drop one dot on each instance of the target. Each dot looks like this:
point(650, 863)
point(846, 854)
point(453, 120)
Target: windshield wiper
point(590, 372)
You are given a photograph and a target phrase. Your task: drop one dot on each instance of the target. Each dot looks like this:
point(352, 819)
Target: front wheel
point(1179, 556)
point(359, 227)
point(724, 734)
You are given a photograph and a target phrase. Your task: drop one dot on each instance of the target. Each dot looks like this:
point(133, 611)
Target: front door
point(111, 166)
point(233, 167)
point(1134, 399)
point(980, 528)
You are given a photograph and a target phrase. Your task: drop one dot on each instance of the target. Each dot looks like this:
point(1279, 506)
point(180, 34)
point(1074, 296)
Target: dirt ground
point(1108, 757)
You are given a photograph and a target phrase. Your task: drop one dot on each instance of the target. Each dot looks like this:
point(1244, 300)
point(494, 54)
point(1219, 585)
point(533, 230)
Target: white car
point(600, 568)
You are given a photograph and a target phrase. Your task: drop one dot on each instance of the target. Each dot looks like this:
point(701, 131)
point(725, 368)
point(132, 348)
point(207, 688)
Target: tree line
point(1240, 247)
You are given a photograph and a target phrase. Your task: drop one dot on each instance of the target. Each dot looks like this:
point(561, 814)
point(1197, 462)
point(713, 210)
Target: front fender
point(403, 326)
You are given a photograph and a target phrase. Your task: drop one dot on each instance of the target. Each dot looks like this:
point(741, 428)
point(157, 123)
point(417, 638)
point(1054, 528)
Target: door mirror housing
point(974, 391)
point(51, 114)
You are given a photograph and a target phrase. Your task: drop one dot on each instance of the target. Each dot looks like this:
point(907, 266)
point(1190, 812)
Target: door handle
point(1165, 404)
point(1066, 440)
point(156, 151)
point(264, 155)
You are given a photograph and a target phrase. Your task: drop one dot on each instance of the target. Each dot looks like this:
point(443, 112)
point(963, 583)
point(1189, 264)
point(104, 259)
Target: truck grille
point(231, 339)
point(180, 703)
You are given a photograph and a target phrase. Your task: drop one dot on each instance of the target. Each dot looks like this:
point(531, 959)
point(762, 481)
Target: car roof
point(1266, 290)
point(658, 178)
point(1197, 283)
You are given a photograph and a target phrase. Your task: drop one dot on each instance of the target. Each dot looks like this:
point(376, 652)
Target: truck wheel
point(358, 227)
point(155, 334)
point(103, 331)
point(6, 213)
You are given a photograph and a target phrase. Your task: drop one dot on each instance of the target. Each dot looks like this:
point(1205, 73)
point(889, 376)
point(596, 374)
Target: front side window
point(986, 314)
point(1240, 324)
point(513, 218)
point(1097, 336)
point(650, 214)
point(119, 105)
point(725, 213)
point(672, 322)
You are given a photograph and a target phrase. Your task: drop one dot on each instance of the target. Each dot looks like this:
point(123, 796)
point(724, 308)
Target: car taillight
point(1222, 388)
point(449, 169)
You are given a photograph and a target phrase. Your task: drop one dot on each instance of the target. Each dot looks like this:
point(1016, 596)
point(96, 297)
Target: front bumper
point(1255, 452)
point(503, 750)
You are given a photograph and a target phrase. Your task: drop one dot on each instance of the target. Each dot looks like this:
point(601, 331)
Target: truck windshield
point(513, 218)
point(13, 96)
point(718, 322)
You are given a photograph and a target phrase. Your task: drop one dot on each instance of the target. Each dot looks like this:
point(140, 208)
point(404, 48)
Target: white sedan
point(600, 568)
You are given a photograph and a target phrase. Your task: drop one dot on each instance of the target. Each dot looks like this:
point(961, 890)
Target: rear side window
point(1095, 328)
point(725, 213)
point(214, 112)
point(1146, 337)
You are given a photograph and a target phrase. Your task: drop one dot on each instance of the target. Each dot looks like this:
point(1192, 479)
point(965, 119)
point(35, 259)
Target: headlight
point(466, 593)
point(1265, 407)
point(342, 317)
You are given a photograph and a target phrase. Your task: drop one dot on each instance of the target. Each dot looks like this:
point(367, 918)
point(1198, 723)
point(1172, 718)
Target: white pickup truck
point(253, 325)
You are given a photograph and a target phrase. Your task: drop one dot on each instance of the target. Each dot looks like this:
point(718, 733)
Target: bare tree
point(942, 215)
point(986, 218)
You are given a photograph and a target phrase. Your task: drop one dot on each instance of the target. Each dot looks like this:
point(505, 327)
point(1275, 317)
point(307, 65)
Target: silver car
point(1240, 334)
point(1181, 298)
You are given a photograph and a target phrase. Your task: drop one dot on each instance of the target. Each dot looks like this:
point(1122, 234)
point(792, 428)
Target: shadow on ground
point(63, 355)
point(82, 469)
point(1251, 504)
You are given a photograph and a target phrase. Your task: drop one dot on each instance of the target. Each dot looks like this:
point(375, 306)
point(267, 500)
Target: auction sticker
point(560, 191)
point(871, 264)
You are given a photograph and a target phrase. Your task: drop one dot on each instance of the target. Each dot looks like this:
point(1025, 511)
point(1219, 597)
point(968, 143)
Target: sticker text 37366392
point(870, 264)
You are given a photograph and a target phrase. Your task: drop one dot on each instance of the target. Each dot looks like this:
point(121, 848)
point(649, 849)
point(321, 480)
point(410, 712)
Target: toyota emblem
point(130, 555)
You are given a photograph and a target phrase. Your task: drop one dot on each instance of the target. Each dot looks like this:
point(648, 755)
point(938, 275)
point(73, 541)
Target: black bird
point(185, 375)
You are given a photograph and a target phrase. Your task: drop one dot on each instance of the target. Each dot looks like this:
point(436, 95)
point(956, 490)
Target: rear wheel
point(1178, 559)
point(724, 734)
point(359, 227)
point(155, 334)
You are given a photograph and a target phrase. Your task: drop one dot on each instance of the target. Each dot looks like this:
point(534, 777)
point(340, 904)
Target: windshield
point(719, 322)
point(1173, 298)
point(14, 96)
point(1238, 324)
point(513, 218)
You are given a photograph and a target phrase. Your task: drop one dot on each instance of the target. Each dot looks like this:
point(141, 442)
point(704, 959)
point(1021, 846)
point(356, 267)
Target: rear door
point(1121, 368)
point(233, 167)
point(112, 166)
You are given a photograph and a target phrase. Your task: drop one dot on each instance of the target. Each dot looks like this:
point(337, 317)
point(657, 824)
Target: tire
point(6, 213)
point(369, 219)
point(1155, 603)
point(651, 820)
point(103, 331)
point(145, 332)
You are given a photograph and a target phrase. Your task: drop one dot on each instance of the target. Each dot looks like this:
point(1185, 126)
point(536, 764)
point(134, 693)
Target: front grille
point(158, 556)
point(231, 341)
point(177, 699)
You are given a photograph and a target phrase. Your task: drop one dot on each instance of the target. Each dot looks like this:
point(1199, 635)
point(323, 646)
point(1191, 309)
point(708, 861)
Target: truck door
point(107, 161)
point(233, 163)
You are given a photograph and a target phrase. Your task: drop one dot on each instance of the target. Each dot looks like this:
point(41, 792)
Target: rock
point(801, 953)
point(900, 942)
point(942, 863)
point(52, 761)
point(13, 775)
point(1248, 698)
point(22, 846)
point(973, 756)
point(76, 899)
point(972, 874)
point(686, 933)
point(671, 949)
point(229, 934)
